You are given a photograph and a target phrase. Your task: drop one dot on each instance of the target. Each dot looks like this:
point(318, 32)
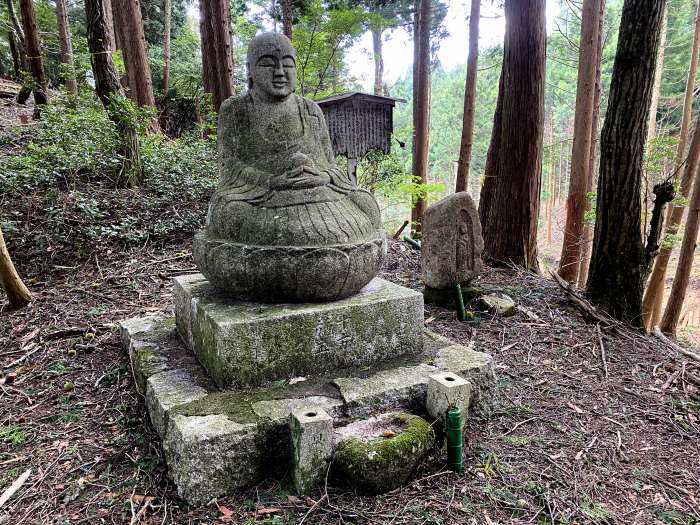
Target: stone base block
point(244, 344)
point(311, 429)
point(445, 390)
point(217, 441)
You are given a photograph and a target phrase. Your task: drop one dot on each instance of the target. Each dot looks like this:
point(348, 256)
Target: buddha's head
point(271, 63)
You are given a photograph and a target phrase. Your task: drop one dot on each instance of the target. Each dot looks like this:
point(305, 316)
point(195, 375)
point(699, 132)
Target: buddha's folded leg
point(365, 201)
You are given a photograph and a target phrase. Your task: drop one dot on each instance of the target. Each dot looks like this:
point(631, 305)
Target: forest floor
point(593, 423)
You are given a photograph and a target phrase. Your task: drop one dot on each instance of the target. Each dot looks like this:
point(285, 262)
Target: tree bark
point(64, 40)
point(378, 61)
point(129, 26)
point(14, 51)
point(421, 100)
point(217, 66)
point(167, 9)
point(416, 74)
point(593, 163)
point(510, 197)
point(16, 291)
point(674, 306)
point(109, 90)
point(287, 17)
point(31, 37)
point(581, 148)
point(653, 296)
point(466, 142)
point(619, 262)
point(109, 23)
point(653, 109)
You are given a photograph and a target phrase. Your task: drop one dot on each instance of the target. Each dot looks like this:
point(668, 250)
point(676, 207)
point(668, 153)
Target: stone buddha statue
point(285, 224)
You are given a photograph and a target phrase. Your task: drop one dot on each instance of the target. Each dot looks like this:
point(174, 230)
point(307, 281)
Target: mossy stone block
point(244, 344)
point(380, 464)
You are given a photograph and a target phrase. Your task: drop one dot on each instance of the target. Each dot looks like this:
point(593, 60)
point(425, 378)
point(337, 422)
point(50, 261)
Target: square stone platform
point(245, 344)
point(216, 441)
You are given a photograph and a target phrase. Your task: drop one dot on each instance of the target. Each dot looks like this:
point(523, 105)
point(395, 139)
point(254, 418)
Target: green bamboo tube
point(459, 300)
point(412, 242)
point(454, 440)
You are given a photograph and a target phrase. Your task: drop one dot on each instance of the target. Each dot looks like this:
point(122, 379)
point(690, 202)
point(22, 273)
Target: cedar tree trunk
point(287, 17)
point(31, 37)
point(217, 58)
point(510, 197)
point(64, 40)
point(109, 90)
point(109, 22)
point(572, 247)
point(466, 142)
point(619, 261)
point(17, 293)
point(593, 163)
point(421, 101)
point(653, 296)
point(167, 8)
point(129, 26)
point(674, 306)
point(378, 61)
point(654, 107)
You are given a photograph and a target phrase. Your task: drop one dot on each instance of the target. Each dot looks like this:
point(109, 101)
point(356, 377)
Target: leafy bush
point(59, 197)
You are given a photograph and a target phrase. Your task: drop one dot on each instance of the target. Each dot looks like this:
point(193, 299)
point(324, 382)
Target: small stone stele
point(312, 447)
point(452, 243)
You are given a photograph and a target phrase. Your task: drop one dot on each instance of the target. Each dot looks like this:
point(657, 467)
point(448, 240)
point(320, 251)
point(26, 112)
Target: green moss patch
point(377, 464)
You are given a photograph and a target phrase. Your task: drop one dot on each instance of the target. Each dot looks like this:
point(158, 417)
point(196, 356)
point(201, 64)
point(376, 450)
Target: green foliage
point(321, 39)
point(13, 435)
point(67, 169)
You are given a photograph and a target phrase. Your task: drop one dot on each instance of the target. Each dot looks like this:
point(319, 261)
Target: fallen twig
point(692, 355)
point(9, 492)
point(603, 357)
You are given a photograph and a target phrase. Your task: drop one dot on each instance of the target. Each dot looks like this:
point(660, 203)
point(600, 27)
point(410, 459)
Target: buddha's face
point(275, 75)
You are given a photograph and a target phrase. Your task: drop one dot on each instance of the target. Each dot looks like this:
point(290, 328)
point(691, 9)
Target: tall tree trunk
point(653, 296)
point(287, 17)
point(217, 65)
point(167, 9)
point(64, 40)
point(378, 61)
point(109, 23)
point(14, 51)
point(593, 164)
point(16, 291)
point(581, 148)
point(550, 180)
point(674, 306)
point(466, 143)
point(31, 36)
point(129, 26)
point(416, 75)
point(109, 90)
point(654, 107)
point(619, 262)
point(510, 197)
point(421, 100)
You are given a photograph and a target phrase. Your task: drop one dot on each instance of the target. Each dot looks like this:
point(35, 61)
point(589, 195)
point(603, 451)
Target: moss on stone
point(237, 406)
point(381, 464)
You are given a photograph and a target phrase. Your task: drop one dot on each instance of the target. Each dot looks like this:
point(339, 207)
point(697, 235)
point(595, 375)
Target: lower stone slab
point(243, 344)
point(217, 441)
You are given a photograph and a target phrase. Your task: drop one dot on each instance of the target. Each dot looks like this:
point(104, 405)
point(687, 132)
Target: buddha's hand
point(299, 178)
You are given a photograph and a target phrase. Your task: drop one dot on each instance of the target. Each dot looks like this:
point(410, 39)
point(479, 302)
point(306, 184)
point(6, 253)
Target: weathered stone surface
point(498, 304)
point(374, 463)
point(245, 344)
point(311, 430)
point(452, 243)
point(167, 390)
point(216, 442)
point(285, 224)
point(209, 456)
point(445, 390)
point(407, 386)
